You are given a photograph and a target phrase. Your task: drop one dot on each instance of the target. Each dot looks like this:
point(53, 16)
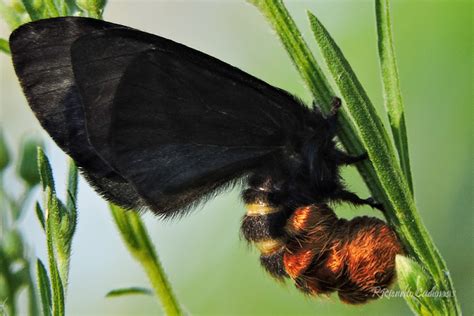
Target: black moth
point(155, 124)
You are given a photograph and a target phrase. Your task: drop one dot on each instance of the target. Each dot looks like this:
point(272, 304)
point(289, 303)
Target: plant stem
point(391, 86)
point(138, 242)
point(32, 299)
point(10, 304)
point(154, 269)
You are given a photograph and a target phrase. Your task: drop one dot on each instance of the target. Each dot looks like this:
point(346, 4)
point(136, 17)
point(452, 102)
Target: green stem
point(10, 304)
point(32, 299)
point(391, 85)
point(138, 242)
point(58, 291)
point(52, 214)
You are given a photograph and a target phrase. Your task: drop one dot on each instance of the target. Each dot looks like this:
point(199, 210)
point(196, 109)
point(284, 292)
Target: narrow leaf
point(61, 229)
point(62, 7)
point(373, 134)
point(71, 200)
point(129, 291)
point(44, 286)
point(40, 215)
point(413, 280)
point(93, 8)
point(27, 167)
point(36, 9)
point(391, 86)
point(72, 8)
point(46, 174)
point(52, 8)
point(4, 47)
point(71, 203)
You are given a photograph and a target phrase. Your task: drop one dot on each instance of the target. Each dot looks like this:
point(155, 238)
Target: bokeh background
point(214, 272)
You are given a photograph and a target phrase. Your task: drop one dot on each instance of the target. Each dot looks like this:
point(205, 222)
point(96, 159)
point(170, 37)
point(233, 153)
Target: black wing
point(183, 123)
point(99, 62)
point(42, 60)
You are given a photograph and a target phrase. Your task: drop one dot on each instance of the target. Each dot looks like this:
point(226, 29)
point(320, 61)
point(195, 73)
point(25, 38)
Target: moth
point(153, 124)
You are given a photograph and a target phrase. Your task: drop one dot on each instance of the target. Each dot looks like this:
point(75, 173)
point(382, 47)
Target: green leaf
point(44, 286)
point(368, 123)
point(4, 290)
point(401, 212)
point(27, 167)
point(413, 279)
point(36, 9)
point(4, 152)
point(62, 229)
point(71, 189)
point(72, 8)
point(52, 9)
point(17, 6)
point(12, 244)
point(10, 15)
point(69, 215)
point(129, 291)
point(93, 8)
point(40, 215)
point(391, 86)
point(4, 47)
point(44, 167)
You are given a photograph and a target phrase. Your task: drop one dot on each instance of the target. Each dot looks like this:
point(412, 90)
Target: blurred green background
point(214, 272)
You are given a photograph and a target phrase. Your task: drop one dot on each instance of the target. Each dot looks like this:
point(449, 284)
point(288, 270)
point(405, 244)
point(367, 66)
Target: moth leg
point(343, 158)
point(353, 198)
point(332, 117)
point(335, 106)
point(316, 109)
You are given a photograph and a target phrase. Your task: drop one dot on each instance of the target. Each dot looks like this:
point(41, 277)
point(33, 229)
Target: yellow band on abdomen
point(256, 209)
point(269, 246)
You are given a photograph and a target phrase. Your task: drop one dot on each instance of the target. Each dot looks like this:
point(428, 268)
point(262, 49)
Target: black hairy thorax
point(306, 171)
